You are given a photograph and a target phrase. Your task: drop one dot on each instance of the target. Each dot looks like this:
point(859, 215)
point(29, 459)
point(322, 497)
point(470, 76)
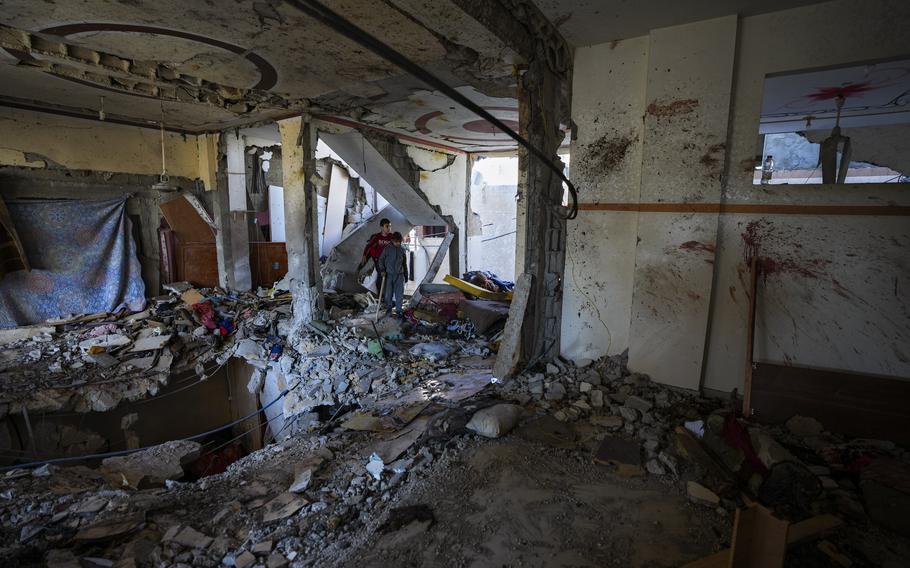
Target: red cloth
point(375, 245)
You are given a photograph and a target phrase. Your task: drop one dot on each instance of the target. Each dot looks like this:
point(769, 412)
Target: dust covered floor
point(512, 502)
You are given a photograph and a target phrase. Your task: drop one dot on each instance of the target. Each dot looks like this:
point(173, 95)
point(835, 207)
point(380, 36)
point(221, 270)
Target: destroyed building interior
point(454, 283)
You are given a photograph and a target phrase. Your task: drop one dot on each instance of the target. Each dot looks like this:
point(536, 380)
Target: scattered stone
point(304, 474)
point(187, 536)
point(638, 404)
point(768, 449)
point(608, 422)
point(628, 414)
point(585, 386)
point(244, 560)
point(262, 548)
point(654, 467)
point(702, 495)
point(804, 426)
point(555, 391)
point(597, 398)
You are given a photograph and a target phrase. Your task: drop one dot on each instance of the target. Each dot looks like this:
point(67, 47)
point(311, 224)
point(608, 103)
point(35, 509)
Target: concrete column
point(298, 145)
point(232, 238)
point(542, 102)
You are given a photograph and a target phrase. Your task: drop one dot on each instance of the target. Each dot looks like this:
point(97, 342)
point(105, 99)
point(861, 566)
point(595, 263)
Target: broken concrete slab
point(304, 473)
point(110, 529)
point(104, 342)
point(244, 560)
point(283, 506)
point(391, 448)
point(150, 342)
point(187, 536)
point(154, 465)
point(15, 334)
point(608, 422)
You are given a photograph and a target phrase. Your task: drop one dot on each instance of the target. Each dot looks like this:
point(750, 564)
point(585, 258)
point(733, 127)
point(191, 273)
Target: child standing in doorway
point(393, 267)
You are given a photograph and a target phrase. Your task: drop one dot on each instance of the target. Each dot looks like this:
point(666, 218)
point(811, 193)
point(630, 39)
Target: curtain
point(83, 260)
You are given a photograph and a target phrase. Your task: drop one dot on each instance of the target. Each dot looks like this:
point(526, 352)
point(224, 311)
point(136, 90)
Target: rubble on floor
point(371, 405)
point(93, 363)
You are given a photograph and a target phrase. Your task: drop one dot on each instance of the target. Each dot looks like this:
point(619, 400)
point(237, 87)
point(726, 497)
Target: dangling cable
point(164, 177)
point(318, 11)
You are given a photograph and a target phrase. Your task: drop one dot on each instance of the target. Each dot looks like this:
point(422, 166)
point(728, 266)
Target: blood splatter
point(828, 93)
point(675, 108)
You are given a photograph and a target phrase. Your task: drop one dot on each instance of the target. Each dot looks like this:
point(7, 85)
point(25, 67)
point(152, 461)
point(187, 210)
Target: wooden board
point(268, 263)
point(750, 337)
point(798, 533)
point(759, 539)
point(509, 348)
point(862, 406)
point(197, 263)
point(185, 221)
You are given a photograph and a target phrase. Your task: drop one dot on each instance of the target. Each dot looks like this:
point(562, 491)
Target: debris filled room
point(293, 283)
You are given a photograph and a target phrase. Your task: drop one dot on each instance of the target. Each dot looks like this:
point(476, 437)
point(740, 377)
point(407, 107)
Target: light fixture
point(164, 180)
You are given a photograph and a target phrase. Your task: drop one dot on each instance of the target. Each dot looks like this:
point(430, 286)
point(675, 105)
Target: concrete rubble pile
point(798, 470)
point(93, 363)
point(377, 408)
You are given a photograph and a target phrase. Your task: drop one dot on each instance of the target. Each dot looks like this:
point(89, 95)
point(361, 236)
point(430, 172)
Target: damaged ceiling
point(218, 65)
point(589, 22)
point(211, 66)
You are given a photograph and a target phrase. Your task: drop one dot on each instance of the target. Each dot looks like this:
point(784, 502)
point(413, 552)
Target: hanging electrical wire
point(341, 25)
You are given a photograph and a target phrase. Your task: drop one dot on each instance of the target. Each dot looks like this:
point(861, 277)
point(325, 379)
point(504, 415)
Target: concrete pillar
point(298, 145)
point(544, 95)
point(542, 102)
point(232, 242)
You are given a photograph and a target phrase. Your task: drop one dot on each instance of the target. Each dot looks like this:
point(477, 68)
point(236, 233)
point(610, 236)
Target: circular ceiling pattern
point(463, 127)
point(268, 75)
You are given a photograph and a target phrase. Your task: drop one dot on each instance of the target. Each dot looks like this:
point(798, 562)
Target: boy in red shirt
point(377, 242)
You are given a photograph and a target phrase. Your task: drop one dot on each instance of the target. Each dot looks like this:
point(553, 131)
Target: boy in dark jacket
point(393, 266)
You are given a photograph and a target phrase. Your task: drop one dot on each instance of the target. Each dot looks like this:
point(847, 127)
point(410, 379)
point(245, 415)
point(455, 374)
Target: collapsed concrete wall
point(657, 256)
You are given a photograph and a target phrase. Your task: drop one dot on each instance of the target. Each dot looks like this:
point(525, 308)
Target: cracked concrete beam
point(524, 28)
point(149, 78)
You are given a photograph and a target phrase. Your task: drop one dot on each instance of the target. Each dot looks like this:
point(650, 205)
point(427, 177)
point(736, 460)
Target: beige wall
point(43, 140)
point(656, 257)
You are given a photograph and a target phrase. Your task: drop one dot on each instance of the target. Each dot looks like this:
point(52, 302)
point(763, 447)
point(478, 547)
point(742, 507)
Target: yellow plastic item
point(477, 291)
